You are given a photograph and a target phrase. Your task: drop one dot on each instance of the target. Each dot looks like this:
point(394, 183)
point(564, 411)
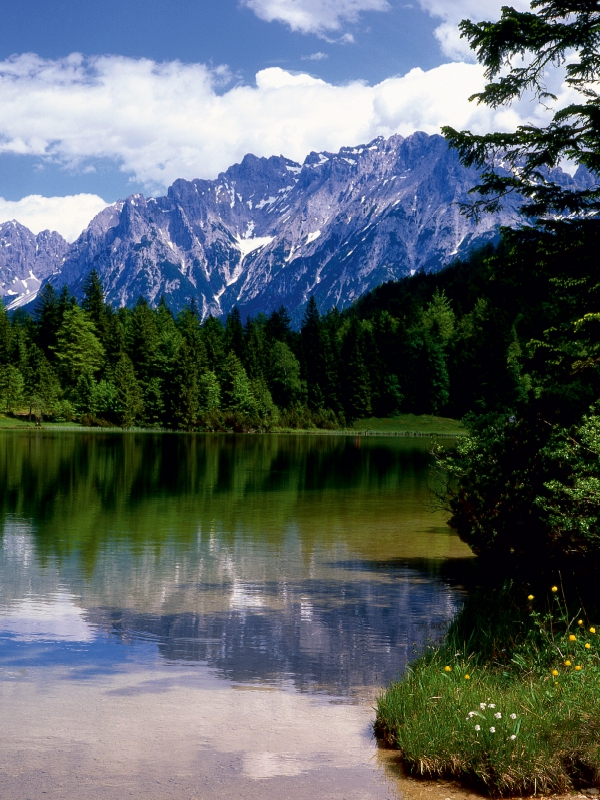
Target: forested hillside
point(477, 337)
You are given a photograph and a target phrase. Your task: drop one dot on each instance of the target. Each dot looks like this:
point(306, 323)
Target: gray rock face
point(270, 231)
point(26, 260)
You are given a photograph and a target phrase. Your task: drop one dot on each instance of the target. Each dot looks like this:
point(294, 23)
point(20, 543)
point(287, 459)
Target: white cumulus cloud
point(313, 16)
point(165, 121)
point(67, 215)
point(159, 122)
point(451, 12)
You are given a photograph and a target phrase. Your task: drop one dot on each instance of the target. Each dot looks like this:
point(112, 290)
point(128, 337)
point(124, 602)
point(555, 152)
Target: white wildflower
point(513, 716)
point(492, 705)
point(471, 714)
point(477, 727)
point(498, 715)
point(513, 736)
point(492, 729)
point(482, 706)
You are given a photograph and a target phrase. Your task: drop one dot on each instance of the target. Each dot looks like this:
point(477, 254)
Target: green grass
point(405, 424)
point(411, 424)
point(512, 669)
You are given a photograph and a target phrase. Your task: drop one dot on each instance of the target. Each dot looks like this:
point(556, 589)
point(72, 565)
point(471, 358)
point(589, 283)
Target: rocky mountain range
point(269, 231)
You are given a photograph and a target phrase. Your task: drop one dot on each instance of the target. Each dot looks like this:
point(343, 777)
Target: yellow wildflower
point(592, 630)
point(467, 677)
point(587, 645)
point(555, 672)
point(572, 638)
point(567, 663)
point(530, 597)
point(447, 669)
point(577, 667)
point(580, 622)
point(555, 588)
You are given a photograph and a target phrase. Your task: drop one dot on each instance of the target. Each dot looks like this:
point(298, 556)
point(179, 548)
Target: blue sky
point(105, 99)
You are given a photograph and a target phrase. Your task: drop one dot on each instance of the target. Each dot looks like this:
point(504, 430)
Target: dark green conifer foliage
point(65, 300)
point(256, 347)
point(314, 358)
point(78, 349)
point(212, 336)
point(516, 52)
point(48, 318)
point(142, 341)
point(93, 303)
point(6, 343)
point(234, 334)
point(356, 386)
point(186, 402)
point(129, 392)
point(41, 386)
point(83, 395)
point(279, 326)
point(236, 390)
point(12, 387)
point(284, 376)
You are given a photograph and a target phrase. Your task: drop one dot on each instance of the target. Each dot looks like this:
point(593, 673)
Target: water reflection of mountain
point(325, 636)
point(308, 559)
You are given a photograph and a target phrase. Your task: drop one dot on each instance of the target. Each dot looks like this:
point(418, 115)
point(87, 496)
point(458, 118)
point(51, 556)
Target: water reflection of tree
point(81, 490)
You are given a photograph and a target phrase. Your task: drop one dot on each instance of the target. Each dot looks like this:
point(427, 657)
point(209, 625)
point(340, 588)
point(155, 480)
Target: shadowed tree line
point(150, 367)
point(481, 336)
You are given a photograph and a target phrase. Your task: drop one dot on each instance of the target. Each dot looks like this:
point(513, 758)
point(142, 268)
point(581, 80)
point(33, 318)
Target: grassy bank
point(509, 703)
point(403, 425)
point(422, 424)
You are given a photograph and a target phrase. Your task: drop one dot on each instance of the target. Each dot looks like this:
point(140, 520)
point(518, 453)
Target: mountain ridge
point(270, 231)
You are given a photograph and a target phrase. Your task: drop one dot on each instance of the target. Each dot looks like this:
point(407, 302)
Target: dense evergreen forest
point(476, 337)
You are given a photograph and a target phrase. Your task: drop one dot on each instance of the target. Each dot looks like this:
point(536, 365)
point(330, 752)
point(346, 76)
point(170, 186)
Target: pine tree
point(279, 326)
point(6, 337)
point(234, 334)
point(284, 376)
point(12, 387)
point(186, 391)
point(142, 341)
point(516, 52)
point(78, 349)
point(356, 383)
point(212, 336)
point(93, 304)
point(48, 319)
point(129, 392)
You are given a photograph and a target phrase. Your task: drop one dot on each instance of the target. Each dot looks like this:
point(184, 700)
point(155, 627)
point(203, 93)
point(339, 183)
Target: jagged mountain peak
point(269, 231)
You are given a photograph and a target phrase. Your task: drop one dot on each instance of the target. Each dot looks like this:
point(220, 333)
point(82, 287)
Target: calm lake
point(196, 616)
